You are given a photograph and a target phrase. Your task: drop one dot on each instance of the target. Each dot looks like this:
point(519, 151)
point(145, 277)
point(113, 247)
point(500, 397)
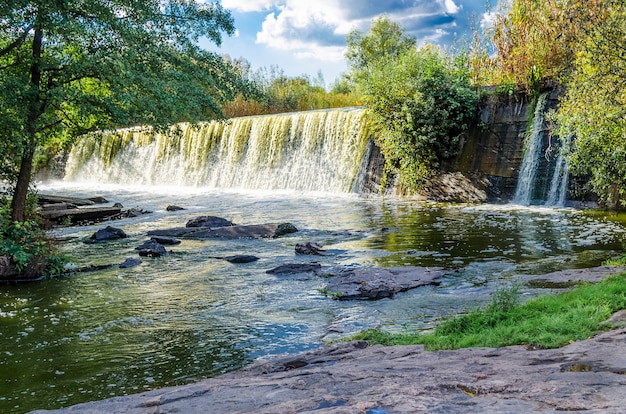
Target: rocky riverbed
point(356, 378)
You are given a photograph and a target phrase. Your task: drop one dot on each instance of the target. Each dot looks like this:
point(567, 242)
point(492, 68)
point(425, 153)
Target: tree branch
point(16, 43)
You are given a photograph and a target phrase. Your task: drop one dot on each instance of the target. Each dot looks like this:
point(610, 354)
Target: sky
point(308, 36)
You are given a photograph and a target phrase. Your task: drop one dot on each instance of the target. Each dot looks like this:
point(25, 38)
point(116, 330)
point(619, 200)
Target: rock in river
point(209, 221)
point(377, 283)
point(241, 258)
point(309, 248)
point(293, 268)
point(151, 248)
point(108, 233)
point(252, 231)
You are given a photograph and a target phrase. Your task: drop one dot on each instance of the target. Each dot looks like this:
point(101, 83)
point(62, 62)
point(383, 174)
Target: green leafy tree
point(420, 101)
point(385, 40)
point(593, 111)
point(71, 66)
point(420, 106)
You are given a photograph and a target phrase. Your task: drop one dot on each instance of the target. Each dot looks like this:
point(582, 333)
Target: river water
point(189, 315)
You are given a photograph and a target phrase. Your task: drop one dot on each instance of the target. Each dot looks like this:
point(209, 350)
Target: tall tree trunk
point(18, 203)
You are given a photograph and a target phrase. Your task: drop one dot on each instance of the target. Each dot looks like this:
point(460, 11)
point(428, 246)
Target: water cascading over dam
point(305, 151)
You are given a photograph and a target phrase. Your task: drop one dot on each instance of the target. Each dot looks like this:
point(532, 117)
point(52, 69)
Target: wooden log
point(52, 199)
point(81, 214)
point(58, 206)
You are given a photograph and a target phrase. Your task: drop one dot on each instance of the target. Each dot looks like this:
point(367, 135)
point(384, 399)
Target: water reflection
point(189, 315)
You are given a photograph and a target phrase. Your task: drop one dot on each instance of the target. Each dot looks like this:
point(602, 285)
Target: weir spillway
point(303, 151)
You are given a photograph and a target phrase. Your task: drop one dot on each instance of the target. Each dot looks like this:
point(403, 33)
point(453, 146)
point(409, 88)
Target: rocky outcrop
point(253, 231)
point(373, 283)
point(455, 188)
point(9, 271)
point(355, 378)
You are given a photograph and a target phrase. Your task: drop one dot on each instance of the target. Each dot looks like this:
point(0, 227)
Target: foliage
point(594, 108)
point(536, 40)
point(548, 321)
point(279, 93)
point(74, 66)
point(420, 104)
point(25, 243)
point(385, 41)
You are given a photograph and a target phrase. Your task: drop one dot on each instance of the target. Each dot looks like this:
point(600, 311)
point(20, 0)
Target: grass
point(549, 321)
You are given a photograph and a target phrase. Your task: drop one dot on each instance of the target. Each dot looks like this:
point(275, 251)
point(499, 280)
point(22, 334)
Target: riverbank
point(353, 378)
point(587, 375)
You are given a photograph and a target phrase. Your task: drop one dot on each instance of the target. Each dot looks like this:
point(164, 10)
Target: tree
point(420, 105)
point(385, 40)
point(420, 102)
point(593, 111)
point(71, 66)
point(536, 41)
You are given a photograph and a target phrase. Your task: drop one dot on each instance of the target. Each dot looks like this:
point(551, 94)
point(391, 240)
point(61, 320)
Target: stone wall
point(492, 151)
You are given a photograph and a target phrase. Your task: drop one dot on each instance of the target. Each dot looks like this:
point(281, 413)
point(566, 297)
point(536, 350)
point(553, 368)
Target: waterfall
point(560, 179)
point(533, 144)
point(308, 151)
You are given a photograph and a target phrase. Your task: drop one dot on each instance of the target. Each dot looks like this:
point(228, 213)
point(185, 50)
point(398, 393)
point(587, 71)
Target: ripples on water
point(188, 316)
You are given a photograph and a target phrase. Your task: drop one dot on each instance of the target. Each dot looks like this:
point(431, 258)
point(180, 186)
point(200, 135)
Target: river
point(188, 315)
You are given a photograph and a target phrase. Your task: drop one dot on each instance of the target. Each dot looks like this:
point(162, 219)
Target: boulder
point(293, 268)
point(241, 258)
point(98, 200)
point(130, 262)
point(135, 212)
point(106, 234)
point(34, 270)
point(166, 241)
point(209, 221)
point(151, 248)
point(309, 248)
point(285, 228)
point(378, 283)
point(173, 208)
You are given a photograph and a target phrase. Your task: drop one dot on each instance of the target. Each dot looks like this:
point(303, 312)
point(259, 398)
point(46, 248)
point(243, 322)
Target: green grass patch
point(548, 321)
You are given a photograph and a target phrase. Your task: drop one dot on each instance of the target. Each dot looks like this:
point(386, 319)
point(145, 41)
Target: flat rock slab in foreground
point(351, 378)
point(570, 277)
point(378, 282)
point(253, 231)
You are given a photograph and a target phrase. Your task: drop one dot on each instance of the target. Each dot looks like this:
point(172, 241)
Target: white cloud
point(249, 5)
point(309, 29)
point(488, 19)
point(318, 28)
point(450, 7)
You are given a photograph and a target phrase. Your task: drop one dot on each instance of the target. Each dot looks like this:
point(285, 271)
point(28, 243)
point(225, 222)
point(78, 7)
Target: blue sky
point(308, 36)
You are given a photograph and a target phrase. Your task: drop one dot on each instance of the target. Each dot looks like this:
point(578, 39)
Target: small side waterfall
point(533, 143)
point(543, 176)
point(560, 179)
point(308, 151)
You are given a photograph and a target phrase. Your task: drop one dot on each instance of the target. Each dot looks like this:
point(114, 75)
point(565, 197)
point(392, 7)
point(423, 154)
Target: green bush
point(27, 247)
point(420, 105)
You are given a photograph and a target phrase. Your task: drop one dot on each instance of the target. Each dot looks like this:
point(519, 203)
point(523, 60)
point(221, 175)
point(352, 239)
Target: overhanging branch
point(16, 43)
